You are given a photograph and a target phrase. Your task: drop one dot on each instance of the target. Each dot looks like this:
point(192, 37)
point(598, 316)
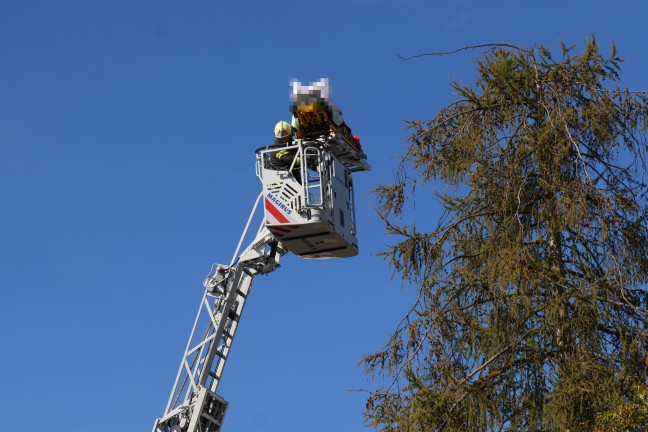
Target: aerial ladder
point(308, 209)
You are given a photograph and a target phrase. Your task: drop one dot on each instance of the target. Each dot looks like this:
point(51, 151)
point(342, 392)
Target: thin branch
point(484, 365)
point(465, 48)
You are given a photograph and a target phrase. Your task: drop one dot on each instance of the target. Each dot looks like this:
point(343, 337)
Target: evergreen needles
point(532, 307)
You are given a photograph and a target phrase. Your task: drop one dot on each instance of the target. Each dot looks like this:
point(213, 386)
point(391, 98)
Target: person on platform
point(283, 159)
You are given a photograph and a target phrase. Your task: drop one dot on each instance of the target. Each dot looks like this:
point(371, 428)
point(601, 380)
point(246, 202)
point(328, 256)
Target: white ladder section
point(193, 405)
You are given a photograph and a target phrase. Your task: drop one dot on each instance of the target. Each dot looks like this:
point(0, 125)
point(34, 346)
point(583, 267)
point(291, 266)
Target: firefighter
point(283, 159)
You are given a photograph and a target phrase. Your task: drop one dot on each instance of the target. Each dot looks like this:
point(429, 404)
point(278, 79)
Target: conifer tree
point(532, 301)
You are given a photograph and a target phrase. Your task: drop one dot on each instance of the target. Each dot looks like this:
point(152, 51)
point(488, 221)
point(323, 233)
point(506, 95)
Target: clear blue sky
point(127, 131)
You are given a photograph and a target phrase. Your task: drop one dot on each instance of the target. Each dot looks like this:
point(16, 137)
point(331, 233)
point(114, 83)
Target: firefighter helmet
point(282, 130)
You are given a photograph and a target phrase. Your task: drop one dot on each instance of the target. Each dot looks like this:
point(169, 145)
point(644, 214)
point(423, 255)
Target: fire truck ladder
point(193, 405)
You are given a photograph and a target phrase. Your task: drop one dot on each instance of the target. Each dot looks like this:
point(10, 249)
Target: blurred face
point(284, 139)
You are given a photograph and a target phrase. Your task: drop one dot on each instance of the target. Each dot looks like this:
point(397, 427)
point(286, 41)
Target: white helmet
point(282, 130)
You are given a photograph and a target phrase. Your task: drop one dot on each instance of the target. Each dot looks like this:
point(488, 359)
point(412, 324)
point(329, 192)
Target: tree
point(531, 310)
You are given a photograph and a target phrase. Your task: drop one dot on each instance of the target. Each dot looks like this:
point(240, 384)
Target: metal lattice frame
point(212, 335)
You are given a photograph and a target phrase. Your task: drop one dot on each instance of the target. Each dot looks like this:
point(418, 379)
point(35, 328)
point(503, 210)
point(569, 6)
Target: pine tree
point(532, 301)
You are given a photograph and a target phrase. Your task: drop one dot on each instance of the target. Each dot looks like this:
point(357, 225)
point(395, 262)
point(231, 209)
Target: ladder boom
point(193, 404)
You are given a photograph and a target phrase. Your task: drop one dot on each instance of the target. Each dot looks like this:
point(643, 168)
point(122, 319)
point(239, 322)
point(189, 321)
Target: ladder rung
point(211, 419)
point(239, 292)
point(232, 315)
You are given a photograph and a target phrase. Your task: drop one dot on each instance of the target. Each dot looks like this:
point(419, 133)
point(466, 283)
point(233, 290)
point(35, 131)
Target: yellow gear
point(282, 153)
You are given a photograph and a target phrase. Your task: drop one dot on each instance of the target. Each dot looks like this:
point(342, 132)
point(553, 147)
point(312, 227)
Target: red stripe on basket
point(283, 230)
point(275, 212)
point(277, 234)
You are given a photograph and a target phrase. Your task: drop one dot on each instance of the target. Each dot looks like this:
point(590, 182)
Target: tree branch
point(465, 48)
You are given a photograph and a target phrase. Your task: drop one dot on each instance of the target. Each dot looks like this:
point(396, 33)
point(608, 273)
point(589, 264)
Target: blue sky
point(127, 137)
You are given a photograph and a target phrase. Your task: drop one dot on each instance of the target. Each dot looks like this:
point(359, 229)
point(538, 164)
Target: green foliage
point(628, 416)
point(532, 301)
